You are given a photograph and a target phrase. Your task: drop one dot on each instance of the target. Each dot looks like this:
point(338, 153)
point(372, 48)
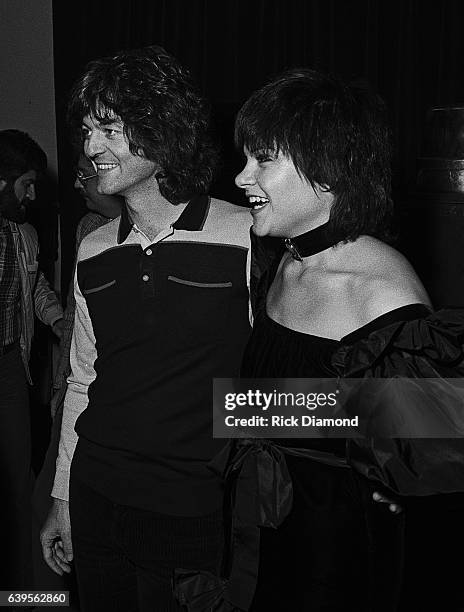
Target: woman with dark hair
point(339, 302)
point(317, 174)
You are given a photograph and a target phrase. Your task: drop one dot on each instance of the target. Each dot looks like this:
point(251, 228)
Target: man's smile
point(104, 167)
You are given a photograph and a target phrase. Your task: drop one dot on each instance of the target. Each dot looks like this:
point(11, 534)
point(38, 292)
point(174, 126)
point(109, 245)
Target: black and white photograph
point(232, 305)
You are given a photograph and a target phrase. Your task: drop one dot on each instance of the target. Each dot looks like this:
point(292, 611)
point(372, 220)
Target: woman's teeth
point(257, 202)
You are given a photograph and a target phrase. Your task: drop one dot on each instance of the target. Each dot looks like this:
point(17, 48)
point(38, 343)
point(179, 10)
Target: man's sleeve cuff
point(61, 485)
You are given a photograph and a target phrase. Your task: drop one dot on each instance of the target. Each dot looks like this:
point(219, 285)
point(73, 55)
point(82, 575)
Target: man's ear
point(2, 184)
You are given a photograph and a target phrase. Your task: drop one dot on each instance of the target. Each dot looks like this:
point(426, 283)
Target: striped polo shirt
point(156, 321)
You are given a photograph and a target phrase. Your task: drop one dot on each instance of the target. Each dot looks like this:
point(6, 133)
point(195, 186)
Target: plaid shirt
point(10, 287)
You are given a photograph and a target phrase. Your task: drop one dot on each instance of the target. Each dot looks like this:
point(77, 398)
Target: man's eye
point(111, 132)
point(85, 132)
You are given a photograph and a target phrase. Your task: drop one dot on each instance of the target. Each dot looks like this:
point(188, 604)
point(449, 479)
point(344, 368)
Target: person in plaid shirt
point(23, 292)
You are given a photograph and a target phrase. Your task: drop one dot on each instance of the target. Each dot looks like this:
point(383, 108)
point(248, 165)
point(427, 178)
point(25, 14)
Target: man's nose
point(93, 144)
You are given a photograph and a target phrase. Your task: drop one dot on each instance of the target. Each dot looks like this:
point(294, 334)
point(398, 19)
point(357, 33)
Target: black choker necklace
point(312, 242)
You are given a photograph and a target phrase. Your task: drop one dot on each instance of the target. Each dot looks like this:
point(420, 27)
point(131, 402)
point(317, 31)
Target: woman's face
point(283, 202)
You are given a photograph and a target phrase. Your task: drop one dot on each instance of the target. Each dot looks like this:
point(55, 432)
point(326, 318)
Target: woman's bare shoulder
point(380, 278)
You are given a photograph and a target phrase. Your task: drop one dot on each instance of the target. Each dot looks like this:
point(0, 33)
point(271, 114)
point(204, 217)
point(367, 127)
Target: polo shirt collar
point(125, 225)
point(192, 219)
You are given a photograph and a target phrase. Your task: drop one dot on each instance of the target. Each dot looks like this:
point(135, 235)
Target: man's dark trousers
point(15, 474)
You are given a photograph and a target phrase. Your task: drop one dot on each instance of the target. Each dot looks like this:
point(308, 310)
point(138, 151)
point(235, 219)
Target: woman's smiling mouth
point(257, 202)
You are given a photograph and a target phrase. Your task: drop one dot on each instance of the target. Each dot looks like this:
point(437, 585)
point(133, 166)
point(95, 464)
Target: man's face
point(14, 196)
point(118, 170)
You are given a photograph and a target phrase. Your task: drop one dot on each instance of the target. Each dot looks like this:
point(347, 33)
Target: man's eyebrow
point(110, 121)
point(105, 118)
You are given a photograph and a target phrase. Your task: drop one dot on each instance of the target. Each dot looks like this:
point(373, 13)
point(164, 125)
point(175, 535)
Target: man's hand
point(393, 506)
point(55, 538)
point(57, 328)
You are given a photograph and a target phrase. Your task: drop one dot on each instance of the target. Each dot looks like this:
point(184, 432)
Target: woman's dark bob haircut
point(337, 136)
point(164, 117)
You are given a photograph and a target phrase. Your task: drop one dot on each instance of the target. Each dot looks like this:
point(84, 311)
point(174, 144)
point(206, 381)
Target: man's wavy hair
point(165, 119)
point(20, 153)
point(337, 136)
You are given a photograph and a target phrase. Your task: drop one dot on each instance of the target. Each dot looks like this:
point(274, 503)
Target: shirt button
point(145, 277)
point(148, 252)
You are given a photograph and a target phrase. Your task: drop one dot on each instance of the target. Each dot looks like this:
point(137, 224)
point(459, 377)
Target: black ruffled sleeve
point(430, 347)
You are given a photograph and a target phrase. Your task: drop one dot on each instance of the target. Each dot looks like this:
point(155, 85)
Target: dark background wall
point(27, 100)
point(27, 94)
point(412, 53)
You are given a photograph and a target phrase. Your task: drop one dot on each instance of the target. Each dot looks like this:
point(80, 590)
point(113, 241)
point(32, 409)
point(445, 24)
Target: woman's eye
point(85, 132)
point(264, 157)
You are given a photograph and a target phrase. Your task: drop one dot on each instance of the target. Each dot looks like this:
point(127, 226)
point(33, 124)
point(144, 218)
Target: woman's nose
point(245, 177)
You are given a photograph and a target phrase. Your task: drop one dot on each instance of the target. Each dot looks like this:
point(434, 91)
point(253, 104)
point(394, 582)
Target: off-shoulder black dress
point(337, 549)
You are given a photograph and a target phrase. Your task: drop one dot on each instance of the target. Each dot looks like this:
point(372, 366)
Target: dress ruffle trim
point(431, 347)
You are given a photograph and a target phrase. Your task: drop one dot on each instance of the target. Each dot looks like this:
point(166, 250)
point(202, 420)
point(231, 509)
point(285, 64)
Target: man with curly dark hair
point(161, 309)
